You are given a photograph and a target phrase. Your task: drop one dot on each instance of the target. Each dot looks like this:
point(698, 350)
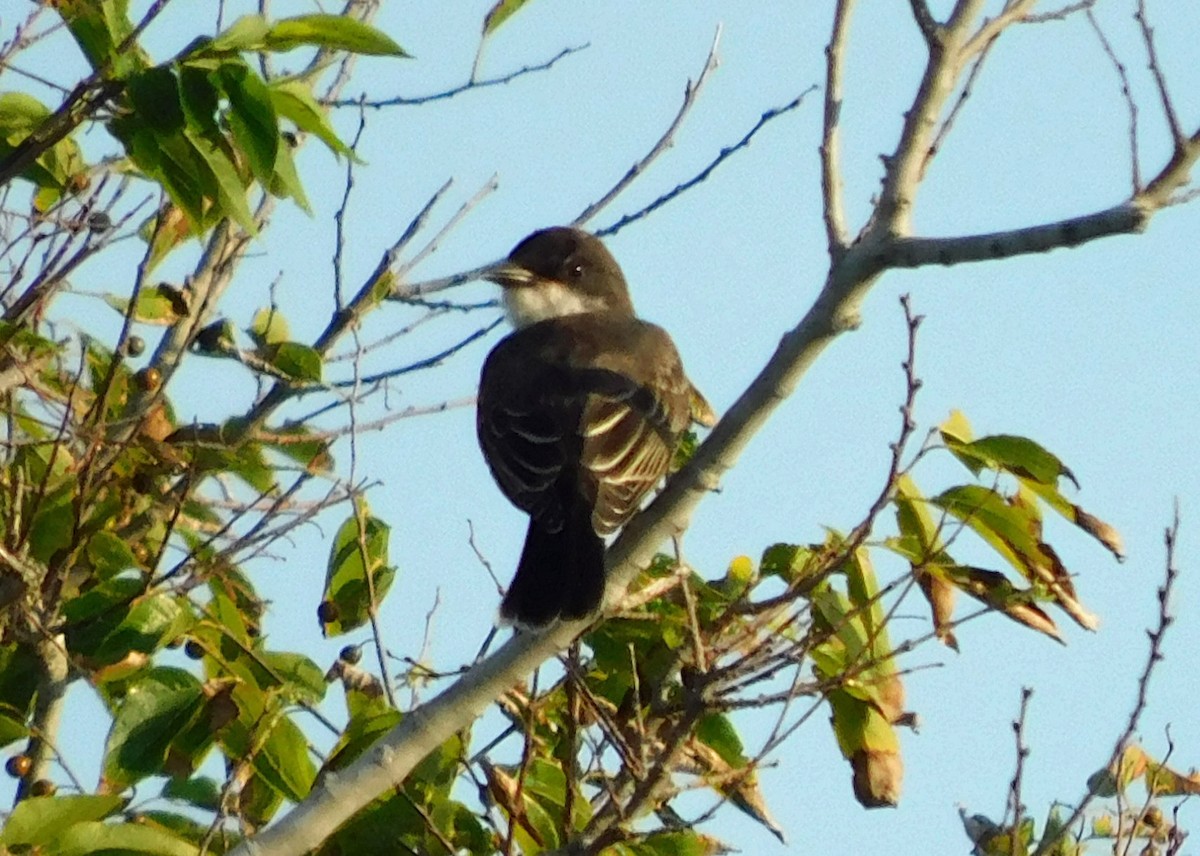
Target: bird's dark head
point(560, 271)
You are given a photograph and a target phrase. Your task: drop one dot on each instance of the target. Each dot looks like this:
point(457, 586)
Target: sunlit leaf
point(268, 327)
point(296, 361)
point(247, 33)
point(499, 13)
point(336, 32)
point(294, 100)
point(40, 820)
point(85, 839)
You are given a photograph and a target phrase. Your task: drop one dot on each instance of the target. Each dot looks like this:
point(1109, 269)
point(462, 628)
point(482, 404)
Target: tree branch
point(1125, 218)
point(836, 233)
point(410, 101)
point(664, 142)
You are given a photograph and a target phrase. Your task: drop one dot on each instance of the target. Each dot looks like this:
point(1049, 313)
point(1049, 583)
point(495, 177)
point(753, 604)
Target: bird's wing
point(572, 419)
point(527, 438)
point(625, 453)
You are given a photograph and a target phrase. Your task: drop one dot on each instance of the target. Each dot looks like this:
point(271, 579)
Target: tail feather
point(561, 574)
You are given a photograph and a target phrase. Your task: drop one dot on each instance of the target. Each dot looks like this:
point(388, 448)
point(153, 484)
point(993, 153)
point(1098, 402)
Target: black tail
point(561, 574)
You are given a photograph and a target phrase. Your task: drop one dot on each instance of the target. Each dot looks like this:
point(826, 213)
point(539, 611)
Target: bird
point(580, 411)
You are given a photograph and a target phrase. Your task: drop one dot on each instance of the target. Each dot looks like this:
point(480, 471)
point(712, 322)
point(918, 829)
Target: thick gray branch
point(918, 252)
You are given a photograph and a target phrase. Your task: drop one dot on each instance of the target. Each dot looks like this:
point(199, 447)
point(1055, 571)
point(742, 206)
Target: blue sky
point(1089, 351)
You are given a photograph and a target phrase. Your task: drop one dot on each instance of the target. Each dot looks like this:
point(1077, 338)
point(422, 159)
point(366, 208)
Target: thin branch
point(708, 170)
point(926, 23)
point(963, 96)
point(409, 101)
point(836, 233)
point(1015, 805)
point(1153, 658)
point(664, 142)
point(427, 362)
point(1160, 80)
point(1126, 94)
point(1060, 14)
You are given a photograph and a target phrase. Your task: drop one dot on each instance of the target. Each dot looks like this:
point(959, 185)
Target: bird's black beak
point(507, 274)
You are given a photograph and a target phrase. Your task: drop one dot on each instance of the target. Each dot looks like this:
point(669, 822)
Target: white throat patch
point(529, 304)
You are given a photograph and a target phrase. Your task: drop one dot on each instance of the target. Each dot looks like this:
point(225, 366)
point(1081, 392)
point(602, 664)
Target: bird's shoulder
point(586, 339)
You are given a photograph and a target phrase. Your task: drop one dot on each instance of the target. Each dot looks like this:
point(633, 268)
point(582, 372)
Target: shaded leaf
point(346, 585)
point(201, 791)
point(998, 592)
point(251, 117)
point(155, 710)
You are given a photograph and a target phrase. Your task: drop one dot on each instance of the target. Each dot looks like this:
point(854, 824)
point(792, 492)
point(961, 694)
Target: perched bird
point(580, 412)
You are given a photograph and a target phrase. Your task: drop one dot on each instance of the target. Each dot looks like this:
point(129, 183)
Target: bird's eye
point(575, 271)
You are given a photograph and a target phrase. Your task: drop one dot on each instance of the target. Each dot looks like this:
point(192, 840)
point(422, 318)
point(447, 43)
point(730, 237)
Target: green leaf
point(251, 117)
point(155, 97)
point(229, 190)
point(247, 33)
point(1006, 528)
point(200, 100)
point(294, 100)
point(245, 461)
point(294, 360)
point(334, 32)
point(151, 622)
point(360, 734)
point(286, 182)
point(20, 114)
point(19, 671)
point(499, 13)
point(160, 305)
point(100, 27)
point(345, 580)
point(201, 791)
point(859, 726)
point(1008, 453)
point(284, 762)
point(86, 839)
point(53, 524)
point(293, 442)
point(37, 821)
point(268, 327)
point(304, 679)
point(716, 731)
point(156, 709)
point(786, 561)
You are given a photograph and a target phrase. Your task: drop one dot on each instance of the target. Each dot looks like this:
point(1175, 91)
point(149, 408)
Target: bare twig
point(409, 101)
point(1015, 807)
point(701, 176)
point(1160, 80)
point(963, 96)
point(1153, 658)
point(1126, 95)
point(664, 142)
